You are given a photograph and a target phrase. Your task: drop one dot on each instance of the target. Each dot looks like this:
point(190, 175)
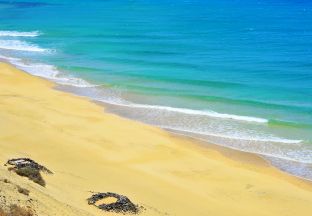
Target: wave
point(20, 46)
point(19, 34)
point(275, 153)
point(208, 113)
point(302, 156)
point(49, 72)
point(239, 138)
point(167, 91)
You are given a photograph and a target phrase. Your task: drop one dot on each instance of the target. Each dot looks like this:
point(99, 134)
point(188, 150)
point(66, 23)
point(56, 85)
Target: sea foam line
point(182, 132)
point(20, 46)
point(49, 72)
point(255, 139)
point(271, 139)
point(19, 34)
point(208, 113)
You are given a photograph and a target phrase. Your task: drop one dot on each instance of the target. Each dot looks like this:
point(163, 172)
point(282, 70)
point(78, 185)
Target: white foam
point(50, 72)
point(74, 81)
point(262, 138)
point(19, 34)
point(271, 139)
point(274, 154)
point(42, 70)
point(208, 113)
point(20, 46)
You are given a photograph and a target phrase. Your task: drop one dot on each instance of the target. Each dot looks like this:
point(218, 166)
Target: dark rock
point(32, 174)
point(26, 162)
point(28, 168)
point(122, 205)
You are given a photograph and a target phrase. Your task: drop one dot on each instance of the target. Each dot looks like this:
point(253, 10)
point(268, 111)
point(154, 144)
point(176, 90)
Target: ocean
point(237, 73)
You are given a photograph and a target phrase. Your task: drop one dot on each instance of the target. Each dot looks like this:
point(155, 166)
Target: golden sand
point(90, 150)
point(107, 200)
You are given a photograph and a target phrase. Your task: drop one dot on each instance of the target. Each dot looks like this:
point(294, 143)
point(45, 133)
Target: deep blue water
point(236, 73)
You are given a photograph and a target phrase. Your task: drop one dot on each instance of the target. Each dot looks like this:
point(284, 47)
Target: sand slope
point(89, 150)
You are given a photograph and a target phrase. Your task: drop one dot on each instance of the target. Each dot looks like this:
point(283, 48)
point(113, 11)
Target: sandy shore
point(90, 150)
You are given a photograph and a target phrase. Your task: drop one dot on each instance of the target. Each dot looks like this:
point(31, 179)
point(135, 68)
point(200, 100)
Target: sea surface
point(237, 73)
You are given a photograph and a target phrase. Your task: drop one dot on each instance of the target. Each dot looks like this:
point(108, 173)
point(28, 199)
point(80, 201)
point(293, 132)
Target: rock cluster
point(28, 168)
point(122, 205)
point(19, 163)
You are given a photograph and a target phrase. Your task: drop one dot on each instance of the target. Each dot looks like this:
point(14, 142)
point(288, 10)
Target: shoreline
point(226, 148)
point(172, 165)
point(195, 138)
point(202, 142)
point(293, 166)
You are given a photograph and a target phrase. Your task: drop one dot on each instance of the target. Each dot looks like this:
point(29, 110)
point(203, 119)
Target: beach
point(89, 150)
point(240, 78)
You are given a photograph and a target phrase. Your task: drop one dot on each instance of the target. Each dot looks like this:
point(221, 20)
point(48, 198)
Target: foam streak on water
point(19, 34)
point(50, 72)
point(20, 46)
point(209, 113)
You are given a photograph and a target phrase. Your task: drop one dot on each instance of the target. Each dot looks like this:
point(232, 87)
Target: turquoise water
point(236, 73)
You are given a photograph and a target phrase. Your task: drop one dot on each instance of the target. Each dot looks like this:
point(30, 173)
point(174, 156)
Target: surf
point(19, 34)
point(18, 45)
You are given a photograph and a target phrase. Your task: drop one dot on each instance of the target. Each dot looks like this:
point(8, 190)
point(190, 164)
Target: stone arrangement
point(122, 205)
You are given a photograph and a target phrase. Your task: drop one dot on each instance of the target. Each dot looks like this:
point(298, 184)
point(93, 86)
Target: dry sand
point(90, 150)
